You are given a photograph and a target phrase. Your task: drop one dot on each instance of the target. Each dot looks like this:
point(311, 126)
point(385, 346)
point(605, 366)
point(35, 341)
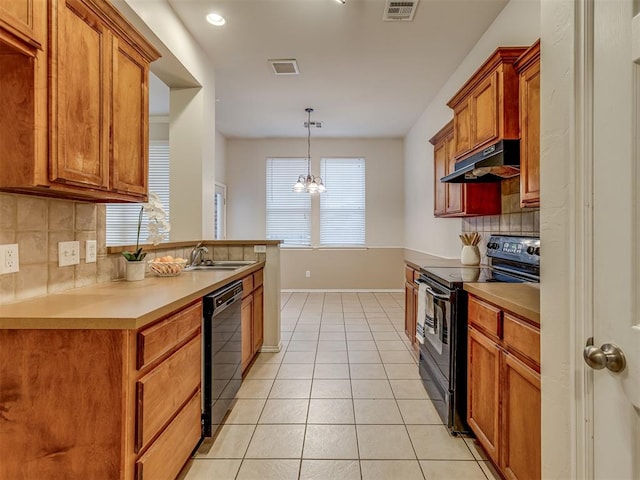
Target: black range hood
point(492, 164)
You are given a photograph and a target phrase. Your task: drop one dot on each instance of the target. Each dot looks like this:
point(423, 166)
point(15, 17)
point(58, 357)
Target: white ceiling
point(363, 76)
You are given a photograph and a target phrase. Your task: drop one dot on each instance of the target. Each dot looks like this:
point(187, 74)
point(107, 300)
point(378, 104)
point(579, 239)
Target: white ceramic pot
point(470, 255)
point(134, 271)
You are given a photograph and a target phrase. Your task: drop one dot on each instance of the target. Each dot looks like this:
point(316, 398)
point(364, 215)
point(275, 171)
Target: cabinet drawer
point(155, 341)
point(485, 316)
point(521, 337)
point(247, 285)
point(169, 453)
point(161, 392)
point(258, 278)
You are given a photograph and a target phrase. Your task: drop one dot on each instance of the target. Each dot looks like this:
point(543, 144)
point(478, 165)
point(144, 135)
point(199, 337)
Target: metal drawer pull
point(609, 356)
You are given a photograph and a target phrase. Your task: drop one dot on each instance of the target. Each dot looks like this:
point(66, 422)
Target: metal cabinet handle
point(609, 356)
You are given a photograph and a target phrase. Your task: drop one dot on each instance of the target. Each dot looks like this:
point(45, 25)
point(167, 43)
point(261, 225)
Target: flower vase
point(134, 270)
point(470, 255)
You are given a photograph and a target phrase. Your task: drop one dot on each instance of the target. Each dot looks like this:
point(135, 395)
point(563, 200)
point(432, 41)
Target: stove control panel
point(520, 249)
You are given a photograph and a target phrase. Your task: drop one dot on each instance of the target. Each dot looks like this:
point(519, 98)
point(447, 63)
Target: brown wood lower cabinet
point(503, 389)
point(410, 304)
point(104, 404)
point(252, 317)
point(483, 391)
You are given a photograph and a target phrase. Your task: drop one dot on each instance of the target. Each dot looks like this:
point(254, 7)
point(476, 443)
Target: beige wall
point(353, 269)
point(562, 447)
point(189, 73)
point(517, 24)
point(221, 159)
point(246, 177)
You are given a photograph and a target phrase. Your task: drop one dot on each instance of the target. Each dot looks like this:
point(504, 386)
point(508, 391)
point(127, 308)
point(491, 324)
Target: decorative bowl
point(167, 269)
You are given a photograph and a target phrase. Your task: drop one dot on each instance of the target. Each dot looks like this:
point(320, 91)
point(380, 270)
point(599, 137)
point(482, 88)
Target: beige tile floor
point(342, 400)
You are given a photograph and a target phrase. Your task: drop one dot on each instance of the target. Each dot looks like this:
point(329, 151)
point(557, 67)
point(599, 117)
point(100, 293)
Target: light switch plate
point(9, 259)
point(68, 253)
point(259, 248)
point(91, 248)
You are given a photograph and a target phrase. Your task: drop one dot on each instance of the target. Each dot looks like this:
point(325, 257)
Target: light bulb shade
point(321, 187)
point(312, 187)
point(300, 186)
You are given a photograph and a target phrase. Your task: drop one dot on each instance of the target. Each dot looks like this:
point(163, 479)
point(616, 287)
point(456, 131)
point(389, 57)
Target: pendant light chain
point(309, 183)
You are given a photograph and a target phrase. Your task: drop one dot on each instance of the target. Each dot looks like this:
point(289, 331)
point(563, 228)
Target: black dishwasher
point(222, 354)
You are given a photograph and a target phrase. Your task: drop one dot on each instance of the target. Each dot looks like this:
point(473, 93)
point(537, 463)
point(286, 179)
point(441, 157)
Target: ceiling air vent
point(399, 11)
point(287, 66)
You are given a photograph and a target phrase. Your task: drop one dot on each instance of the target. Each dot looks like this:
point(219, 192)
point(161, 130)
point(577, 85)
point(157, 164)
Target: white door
point(616, 236)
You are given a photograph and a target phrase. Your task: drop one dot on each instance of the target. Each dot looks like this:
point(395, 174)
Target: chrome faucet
point(196, 255)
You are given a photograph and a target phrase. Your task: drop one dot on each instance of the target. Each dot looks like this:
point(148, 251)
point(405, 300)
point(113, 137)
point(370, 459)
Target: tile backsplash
point(37, 224)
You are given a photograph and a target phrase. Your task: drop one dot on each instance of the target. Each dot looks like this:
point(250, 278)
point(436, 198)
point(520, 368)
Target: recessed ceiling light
point(215, 19)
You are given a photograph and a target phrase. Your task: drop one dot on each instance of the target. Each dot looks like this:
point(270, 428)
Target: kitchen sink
point(221, 265)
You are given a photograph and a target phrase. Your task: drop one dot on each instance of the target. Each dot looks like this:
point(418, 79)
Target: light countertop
point(523, 299)
point(117, 305)
point(418, 260)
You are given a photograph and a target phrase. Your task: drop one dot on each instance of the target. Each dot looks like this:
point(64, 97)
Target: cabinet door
point(80, 93)
point(484, 111)
point(22, 19)
point(455, 191)
point(530, 136)
point(130, 111)
point(247, 327)
point(440, 161)
point(258, 319)
point(462, 128)
point(410, 310)
point(483, 389)
point(520, 452)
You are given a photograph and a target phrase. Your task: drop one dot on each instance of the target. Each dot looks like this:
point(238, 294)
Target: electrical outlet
point(9, 259)
point(260, 249)
point(91, 248)
point(68, 253)
point(307, 274)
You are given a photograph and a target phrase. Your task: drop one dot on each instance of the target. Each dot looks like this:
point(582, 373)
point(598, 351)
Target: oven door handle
point(433, 293)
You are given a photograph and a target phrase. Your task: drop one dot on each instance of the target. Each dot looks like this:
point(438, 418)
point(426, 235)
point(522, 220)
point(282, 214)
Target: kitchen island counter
point(117, 305)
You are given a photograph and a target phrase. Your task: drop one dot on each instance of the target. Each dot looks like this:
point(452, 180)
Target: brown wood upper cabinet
point(23, 24)
point(485, 109)
point(92, 78)
point(459, 199)
point(528, 68)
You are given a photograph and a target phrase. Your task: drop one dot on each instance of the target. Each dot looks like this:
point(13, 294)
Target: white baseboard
point(271, 348)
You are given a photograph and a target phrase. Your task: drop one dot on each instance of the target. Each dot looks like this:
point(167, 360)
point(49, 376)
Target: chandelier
point(309, 183)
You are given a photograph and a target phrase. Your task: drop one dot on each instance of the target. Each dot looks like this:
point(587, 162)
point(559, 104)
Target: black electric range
point(442, 319)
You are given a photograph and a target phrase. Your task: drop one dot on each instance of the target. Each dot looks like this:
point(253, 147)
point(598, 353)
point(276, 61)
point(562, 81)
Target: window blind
point(288, 213)
point(122, 219)
point(342, 206)
point(219, 208)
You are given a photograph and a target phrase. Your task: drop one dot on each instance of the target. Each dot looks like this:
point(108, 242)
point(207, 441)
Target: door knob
point(609, 356)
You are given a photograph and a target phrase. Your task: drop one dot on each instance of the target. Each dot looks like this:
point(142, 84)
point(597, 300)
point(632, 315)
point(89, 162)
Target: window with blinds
point(219, 212)
point(122, 219)
point(288, 213)
point(342, 206)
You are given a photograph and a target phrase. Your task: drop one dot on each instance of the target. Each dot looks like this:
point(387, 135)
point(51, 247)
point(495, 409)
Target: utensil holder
point(470, 255)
